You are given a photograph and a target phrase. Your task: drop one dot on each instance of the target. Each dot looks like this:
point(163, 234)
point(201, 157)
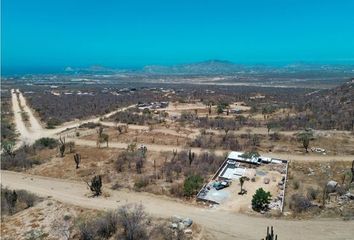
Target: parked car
point(221, 185)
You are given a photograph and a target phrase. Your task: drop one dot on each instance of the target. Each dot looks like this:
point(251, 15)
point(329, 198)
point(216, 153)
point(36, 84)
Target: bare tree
point(133, 221)
point(62, 228)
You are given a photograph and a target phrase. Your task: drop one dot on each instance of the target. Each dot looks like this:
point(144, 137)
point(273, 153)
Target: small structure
point(233, 168)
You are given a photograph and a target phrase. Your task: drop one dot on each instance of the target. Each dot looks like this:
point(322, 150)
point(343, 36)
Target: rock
point(266, 180)
point(174, 225)
point(181, 226)
point(280, 196)
point(176, 219)
point(281, 187)
point(331, 186)
point(188, 231)
point(187, 222)
point(349, 195)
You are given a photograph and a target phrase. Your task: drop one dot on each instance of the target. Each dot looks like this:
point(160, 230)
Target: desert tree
point(77, 159)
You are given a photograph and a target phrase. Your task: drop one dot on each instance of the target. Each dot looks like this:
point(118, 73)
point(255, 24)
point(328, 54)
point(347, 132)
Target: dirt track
point(222, 224)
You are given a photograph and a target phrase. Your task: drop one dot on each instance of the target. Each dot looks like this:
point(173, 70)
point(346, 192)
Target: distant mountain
point(215, 67)
point(205, 67)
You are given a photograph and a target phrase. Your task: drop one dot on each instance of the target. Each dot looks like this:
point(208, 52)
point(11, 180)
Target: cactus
point(96, 185)
point(352, 169)
point(62, 146)
point(270, 235)
point(191, 157)
point(77, 159)
point(11, 199)
point(174, 152)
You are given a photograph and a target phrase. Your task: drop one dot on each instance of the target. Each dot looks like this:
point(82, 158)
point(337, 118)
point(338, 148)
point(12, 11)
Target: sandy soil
point(46, 217)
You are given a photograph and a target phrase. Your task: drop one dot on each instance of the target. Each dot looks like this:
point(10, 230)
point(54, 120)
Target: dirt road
point(222, 224)
point(29, 135)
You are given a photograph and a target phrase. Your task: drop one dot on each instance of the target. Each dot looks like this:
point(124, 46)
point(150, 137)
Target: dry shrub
point(312, 193)
point(177, 190)
point(100, 228)
point(299, 203)
point(141, 182)
point(296, 184)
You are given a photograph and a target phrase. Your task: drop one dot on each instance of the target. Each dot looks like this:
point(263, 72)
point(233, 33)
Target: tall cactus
point(77, 159)
point(270, 235)
point(62, 146)
point(191, 157)
point(352, 170)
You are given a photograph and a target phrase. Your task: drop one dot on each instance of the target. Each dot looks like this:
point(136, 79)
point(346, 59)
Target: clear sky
point(59, 33)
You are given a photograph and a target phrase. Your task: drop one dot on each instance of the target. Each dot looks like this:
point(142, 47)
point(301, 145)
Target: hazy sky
point(60, 33)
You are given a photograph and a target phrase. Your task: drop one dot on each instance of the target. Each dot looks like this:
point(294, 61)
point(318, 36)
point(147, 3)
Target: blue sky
point(131, 33)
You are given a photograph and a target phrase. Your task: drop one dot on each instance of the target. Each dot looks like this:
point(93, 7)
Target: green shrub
point(46, 143)
point(260, 200)
point(192, 185)
point(52, 123)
